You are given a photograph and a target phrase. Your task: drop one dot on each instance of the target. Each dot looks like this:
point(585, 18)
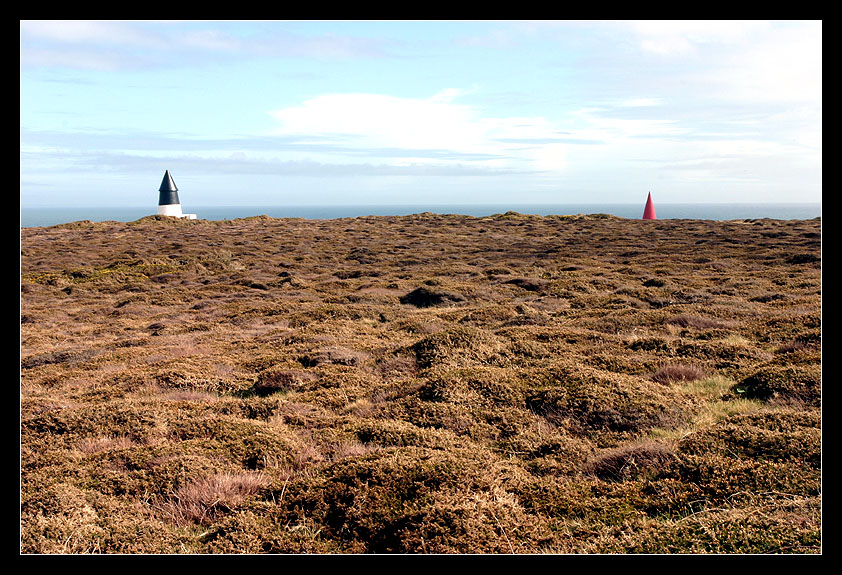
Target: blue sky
point(420, 112)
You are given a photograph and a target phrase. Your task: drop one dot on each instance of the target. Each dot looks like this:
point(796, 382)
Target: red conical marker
point(649, 210)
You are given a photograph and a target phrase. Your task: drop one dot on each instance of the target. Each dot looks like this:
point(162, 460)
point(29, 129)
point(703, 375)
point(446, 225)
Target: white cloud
point(213, 40)
point(746, 61)
point(551, 158)
point(84, 31)
point(439, 131)
point(784, 66)
point(420, 126)
point(640, 102)
point(87, 45)
point(77, 59)
point(109, 45)
point(682, 37)
point(598, 124)
point(380, 120)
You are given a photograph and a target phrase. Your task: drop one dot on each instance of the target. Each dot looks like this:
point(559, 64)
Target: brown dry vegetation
point(421, 384)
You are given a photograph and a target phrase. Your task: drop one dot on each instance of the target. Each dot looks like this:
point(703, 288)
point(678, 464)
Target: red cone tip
point(649, 210)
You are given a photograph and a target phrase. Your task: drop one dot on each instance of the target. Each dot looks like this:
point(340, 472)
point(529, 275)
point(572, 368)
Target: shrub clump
point(791, 346)
point(455, 347)
point(402, 500)
point(783, 383)
point(272, 381)
point(57, 357)
point(529, 284)
point(694, 321)
point(657, 344)
point(334, 355)
point(672, 373)
point(426, 297)
point(631, 461)
point(397, 433)
point(591, 403)
point(804, 258)
point(738, 531)
point(771, 436)
point(481, 386)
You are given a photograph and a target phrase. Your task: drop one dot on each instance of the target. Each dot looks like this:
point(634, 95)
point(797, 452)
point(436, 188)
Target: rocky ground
point(421, 384)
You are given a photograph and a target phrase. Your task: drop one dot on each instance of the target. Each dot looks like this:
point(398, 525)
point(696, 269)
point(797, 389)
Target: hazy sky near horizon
point(420, 112)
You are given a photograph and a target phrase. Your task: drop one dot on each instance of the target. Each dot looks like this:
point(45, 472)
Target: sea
point(39, 217)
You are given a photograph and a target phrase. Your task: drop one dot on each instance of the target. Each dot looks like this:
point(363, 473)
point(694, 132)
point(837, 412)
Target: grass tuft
point(204, 500)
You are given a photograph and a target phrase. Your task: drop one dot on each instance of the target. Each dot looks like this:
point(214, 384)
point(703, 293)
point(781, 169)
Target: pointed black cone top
point(168, 192)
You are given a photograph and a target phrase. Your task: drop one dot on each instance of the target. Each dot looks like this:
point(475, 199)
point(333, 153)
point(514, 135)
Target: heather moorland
point(421, 384)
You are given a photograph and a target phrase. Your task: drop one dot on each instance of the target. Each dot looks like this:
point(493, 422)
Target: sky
point(406, 112)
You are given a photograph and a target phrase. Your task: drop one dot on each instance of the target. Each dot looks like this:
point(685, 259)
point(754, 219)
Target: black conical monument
point(168, 192)
point(168, 202)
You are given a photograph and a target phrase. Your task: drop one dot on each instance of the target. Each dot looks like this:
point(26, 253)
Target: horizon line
point(195, 206)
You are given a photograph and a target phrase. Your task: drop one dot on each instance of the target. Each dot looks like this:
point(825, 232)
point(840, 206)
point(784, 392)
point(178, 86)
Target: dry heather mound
point(414, 501)
point(459, 346)
point(427, 297)
point(602, 405)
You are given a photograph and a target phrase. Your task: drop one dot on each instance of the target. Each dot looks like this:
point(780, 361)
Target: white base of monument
point(174, 210)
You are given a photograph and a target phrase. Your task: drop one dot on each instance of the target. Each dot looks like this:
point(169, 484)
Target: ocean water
point(34, 217)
